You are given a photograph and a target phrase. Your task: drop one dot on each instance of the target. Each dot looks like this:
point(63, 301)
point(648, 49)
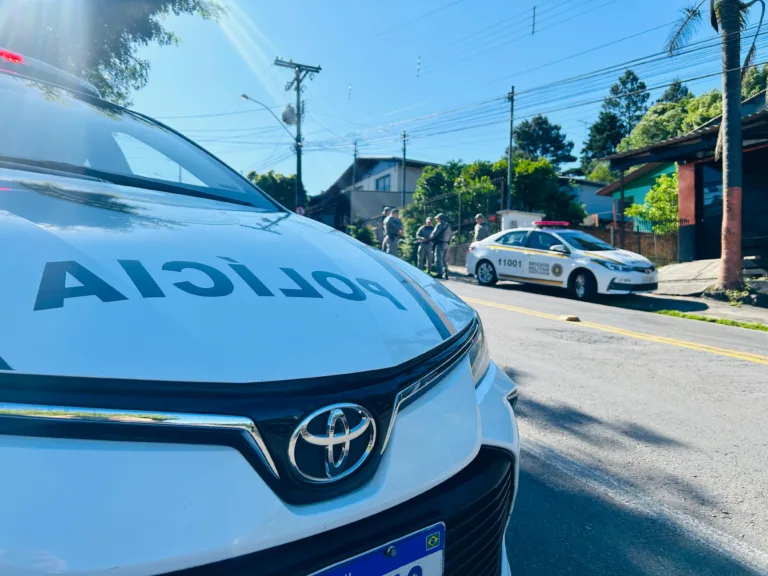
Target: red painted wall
point(686, 192)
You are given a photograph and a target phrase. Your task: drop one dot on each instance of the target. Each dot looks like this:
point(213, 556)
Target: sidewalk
point(663, 301)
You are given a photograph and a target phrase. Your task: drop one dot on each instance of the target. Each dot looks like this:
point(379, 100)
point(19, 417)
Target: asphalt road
point(645, 437)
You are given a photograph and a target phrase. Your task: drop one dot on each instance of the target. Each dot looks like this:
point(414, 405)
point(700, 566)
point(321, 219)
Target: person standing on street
point(482, 230)
point(424, 253)
point(393, 228)
point(383, 230)
point(380, 228)
point(441, 237)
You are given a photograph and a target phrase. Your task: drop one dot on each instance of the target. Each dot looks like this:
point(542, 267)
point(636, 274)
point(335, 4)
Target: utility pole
point(354, 169)
point(510, 171)
point(300, 72)
point(405, 139)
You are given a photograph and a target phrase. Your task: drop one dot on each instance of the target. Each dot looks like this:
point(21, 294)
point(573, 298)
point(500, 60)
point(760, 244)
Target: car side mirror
point(559, 248)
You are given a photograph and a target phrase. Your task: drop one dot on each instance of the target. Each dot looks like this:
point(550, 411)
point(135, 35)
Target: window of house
point(383, 183)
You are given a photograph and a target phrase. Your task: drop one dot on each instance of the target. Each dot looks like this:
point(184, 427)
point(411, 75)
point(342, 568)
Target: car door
point(543, 265)
point(509, 254)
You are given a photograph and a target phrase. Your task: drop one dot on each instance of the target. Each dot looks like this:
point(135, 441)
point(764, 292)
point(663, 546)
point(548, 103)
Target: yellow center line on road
point(748, 356)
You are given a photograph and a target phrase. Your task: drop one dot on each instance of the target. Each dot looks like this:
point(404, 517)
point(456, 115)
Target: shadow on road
point(559, 528)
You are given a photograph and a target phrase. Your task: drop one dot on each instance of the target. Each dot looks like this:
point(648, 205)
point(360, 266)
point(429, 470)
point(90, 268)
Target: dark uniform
point(393, 227)
point(441, 237)
point(424, 253)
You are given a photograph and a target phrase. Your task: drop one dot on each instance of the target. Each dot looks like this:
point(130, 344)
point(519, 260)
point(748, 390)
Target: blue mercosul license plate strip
point(418, 554)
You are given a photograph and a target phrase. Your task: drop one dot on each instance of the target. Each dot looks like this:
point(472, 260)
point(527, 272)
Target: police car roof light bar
point(551, 224)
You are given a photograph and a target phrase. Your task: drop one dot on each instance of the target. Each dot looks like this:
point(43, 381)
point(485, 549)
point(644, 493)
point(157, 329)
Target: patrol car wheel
point(486, 274)
point(584, 285)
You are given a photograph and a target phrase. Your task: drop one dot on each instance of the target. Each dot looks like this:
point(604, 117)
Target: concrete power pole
point(510, 171)
point(405, 139)
point(301, 71)
point(354, 169)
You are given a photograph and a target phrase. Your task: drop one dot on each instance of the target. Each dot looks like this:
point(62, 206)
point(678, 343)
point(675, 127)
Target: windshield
point(584, 241)
point(45, 124)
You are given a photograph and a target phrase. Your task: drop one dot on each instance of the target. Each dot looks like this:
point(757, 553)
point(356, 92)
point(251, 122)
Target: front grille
point(474, 505)
point(633, 287)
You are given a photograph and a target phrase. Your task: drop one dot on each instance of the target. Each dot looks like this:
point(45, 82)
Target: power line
point(219, 114)
point(415, 19)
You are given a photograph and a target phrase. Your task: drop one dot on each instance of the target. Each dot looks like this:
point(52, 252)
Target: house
point(364, 189)
point(636, 185)
point(586, 193)
point(700, 194)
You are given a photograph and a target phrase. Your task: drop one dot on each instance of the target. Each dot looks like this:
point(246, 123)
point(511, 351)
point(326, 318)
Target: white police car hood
point(619, 257)
point(107, 281)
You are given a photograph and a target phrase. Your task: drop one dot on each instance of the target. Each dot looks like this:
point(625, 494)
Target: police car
point(550, 254)
point(193, 380)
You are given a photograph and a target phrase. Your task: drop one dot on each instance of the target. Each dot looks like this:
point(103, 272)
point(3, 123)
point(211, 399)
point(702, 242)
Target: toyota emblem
point(332, 443)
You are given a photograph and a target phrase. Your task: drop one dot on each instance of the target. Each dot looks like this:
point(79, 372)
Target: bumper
point(147, 508)
point(471, 264)
point(614, 287)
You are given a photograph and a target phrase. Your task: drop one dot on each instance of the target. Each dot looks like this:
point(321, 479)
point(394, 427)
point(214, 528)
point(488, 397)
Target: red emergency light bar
point(551, 224)
point(11, 57)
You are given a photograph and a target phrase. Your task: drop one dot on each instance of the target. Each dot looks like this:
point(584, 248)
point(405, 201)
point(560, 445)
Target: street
point(644, 448)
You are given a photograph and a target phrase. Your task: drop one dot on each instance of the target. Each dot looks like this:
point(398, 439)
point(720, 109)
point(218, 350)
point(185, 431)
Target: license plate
point(418, 554)
point(648, 279)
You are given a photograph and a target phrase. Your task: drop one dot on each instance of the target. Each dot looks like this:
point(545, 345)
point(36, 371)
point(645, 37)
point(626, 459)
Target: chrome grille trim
point(414, 391)
point(144, 418)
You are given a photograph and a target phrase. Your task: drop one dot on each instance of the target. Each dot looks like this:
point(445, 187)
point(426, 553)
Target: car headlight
point(614, 267)
point(479, 358)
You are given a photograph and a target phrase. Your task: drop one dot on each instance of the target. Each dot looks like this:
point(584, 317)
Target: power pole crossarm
point(301, 71)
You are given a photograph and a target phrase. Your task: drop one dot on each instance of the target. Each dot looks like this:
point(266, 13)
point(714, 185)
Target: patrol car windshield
point(583, 241)
point(51, 127)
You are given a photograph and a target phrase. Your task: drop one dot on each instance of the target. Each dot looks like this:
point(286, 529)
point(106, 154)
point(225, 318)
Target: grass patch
point(726, 322)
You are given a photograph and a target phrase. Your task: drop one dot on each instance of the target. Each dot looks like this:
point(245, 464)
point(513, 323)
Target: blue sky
point(471, 51)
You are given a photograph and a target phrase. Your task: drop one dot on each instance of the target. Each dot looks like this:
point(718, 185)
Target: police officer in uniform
point(482, 230)
point(393, 228)
point(441, 237)
point(424, 253)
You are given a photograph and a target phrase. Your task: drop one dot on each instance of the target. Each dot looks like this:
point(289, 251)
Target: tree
point(602, 173)
point(662, 121)
point(604, 135)
point(702, 109)
point(628, 100)
point(660, 206)
point(539, 138)
point(727, 17)
point(96, 40)
point(754, 81)
point(537, 189)
point(280, 187)
point(675, 92)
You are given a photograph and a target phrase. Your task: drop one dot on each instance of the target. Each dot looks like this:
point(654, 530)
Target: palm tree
point(728, 17)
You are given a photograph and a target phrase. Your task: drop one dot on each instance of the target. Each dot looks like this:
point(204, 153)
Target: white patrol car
point(195, 381)
point(550, 254)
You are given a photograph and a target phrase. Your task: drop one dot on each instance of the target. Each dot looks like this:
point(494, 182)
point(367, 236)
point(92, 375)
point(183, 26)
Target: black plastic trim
point(275, 407)
point(453, 502)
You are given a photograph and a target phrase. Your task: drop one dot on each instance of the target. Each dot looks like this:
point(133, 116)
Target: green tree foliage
point(754, 81)
point(604, 136)
point(280, 187)
point(601, 172)
point(628, 100)
point(96, 39)
point(660, 207)
point(671, 119)
point(662, 121)
point(675, 92)
point(539, 138)
point(362, 233)
point(537, 189)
